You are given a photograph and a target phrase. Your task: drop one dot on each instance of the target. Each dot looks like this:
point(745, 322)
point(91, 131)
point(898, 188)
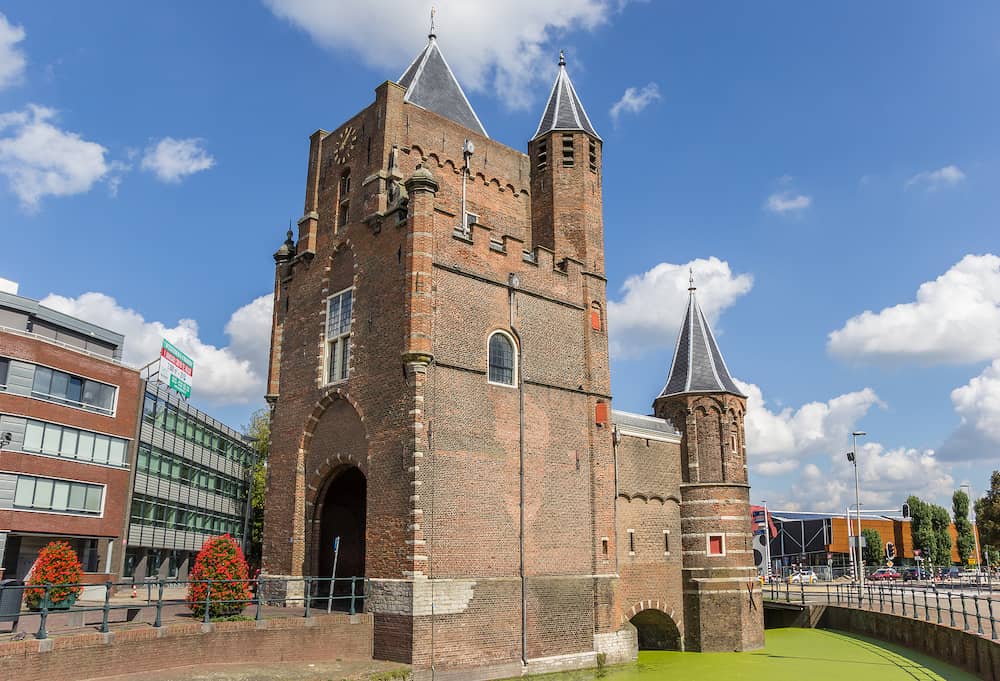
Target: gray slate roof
point(698, 365)
point(431, 85)
point(626, 419)
point(564, 110)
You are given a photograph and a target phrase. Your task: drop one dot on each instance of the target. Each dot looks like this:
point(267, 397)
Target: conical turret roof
point(564, 110)
point(431, 85)
point(698, 366)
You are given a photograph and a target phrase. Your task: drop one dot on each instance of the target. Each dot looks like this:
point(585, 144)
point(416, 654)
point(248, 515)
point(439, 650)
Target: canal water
point(790, 654)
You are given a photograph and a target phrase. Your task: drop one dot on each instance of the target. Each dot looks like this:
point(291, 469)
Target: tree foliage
point(219, 578)
point(874, 552)
point(988, 514)
point(965, 541)
point(921, 528)
point(941, 522)
point(259, 430)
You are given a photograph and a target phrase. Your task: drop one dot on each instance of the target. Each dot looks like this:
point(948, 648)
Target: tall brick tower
point(565, 151)
point(722, 604)
point(440, 385)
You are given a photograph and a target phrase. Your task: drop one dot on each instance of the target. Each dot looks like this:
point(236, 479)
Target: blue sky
point(810, 162)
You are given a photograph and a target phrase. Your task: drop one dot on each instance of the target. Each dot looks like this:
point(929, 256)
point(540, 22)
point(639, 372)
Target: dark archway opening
point(343, 515)
point(657, 631)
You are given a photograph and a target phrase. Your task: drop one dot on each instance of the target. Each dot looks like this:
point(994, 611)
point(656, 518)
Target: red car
point(884, 575)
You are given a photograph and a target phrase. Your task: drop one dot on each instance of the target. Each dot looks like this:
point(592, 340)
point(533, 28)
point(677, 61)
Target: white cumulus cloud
point(954, 319)
point(635, 100)
point(12, 59)
point(887, 477)
point(776, 437)
point(948, 176)
point(171, 160)
point(978, 405)
point(651, 307)
point(39, 159)
point(234, 374)
point(506, 47)
point(787, 203)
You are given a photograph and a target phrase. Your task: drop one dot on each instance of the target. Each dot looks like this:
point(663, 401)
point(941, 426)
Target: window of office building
point(71, 443)
point(75, 391)
point(58, 496)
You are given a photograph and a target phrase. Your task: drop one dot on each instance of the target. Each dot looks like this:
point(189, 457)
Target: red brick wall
point(84, 656)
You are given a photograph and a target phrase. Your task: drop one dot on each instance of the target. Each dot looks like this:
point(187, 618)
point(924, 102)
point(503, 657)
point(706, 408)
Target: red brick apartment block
point(440, 385)
point(68, 411)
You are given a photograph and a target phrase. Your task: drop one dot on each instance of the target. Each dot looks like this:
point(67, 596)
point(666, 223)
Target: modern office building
point(191, 482)
point(68, 411)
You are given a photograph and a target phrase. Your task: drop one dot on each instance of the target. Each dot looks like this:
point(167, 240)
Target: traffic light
point(890, 550)
point(906, 510)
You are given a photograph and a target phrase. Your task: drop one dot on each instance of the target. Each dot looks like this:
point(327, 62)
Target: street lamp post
point(975, 532)
point(852, 456)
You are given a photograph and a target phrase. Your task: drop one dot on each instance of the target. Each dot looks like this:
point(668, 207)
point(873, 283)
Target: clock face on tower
point(345, 144)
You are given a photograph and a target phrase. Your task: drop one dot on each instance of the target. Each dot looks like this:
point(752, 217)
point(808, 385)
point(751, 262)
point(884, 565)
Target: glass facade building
point(191, 482)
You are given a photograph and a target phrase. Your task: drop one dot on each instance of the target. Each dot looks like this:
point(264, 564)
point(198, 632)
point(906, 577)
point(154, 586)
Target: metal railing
point(965, 609)
point(317, 594)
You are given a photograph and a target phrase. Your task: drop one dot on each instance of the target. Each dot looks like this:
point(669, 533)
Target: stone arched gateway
point(336, 504)
point(656, 629)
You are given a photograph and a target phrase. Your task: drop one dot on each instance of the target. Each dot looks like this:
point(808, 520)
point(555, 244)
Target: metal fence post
point(979, 619)
point(107, 607)
point(802, 590)
point(937, 604)
point(257, 598)
point(159, 605)
point(208, 601)
point(352, 594)
point(788, 596)
point(42, 634)
point(828, 593)
point(965, 619)
point(993, 622)
point(927, 608)
point(902, 601)
point(308, 594)
point(951, 609)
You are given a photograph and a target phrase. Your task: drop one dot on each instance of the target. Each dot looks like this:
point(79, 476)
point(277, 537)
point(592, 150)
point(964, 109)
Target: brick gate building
point(440, 388)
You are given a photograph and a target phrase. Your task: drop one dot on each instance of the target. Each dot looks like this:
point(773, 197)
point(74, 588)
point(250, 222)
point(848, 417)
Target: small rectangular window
point(593, 156)
point(543, 155)
point(716, 545)
point(666, 542)
point(604, 546)
point(4, 368)
point(631, 542)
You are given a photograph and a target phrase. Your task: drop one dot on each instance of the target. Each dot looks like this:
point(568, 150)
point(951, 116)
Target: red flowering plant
point(57, 565)
point(221, 561)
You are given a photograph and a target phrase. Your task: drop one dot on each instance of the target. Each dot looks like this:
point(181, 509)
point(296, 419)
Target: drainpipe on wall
point(513, 282)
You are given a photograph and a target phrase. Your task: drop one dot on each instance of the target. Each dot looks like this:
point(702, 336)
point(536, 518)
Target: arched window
point(502, 359)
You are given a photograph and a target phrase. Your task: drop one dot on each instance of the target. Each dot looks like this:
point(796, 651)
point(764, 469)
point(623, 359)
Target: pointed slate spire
point(431, 85)
point(698, 365)
point(564, 110)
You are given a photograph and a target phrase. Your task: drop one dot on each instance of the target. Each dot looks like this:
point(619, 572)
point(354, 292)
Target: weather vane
point(433, 33)
point(691, 279)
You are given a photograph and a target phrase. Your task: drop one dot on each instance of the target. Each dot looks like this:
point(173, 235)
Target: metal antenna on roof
point(691, 286)
point(432, 35)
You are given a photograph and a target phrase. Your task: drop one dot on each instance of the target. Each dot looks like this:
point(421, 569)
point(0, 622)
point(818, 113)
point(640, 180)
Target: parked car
point(803, 577)
point(950, 573)
point(914, 573)
point(885, 574)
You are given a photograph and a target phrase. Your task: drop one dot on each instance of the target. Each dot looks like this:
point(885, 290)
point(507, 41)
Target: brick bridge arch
point(656, 627)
